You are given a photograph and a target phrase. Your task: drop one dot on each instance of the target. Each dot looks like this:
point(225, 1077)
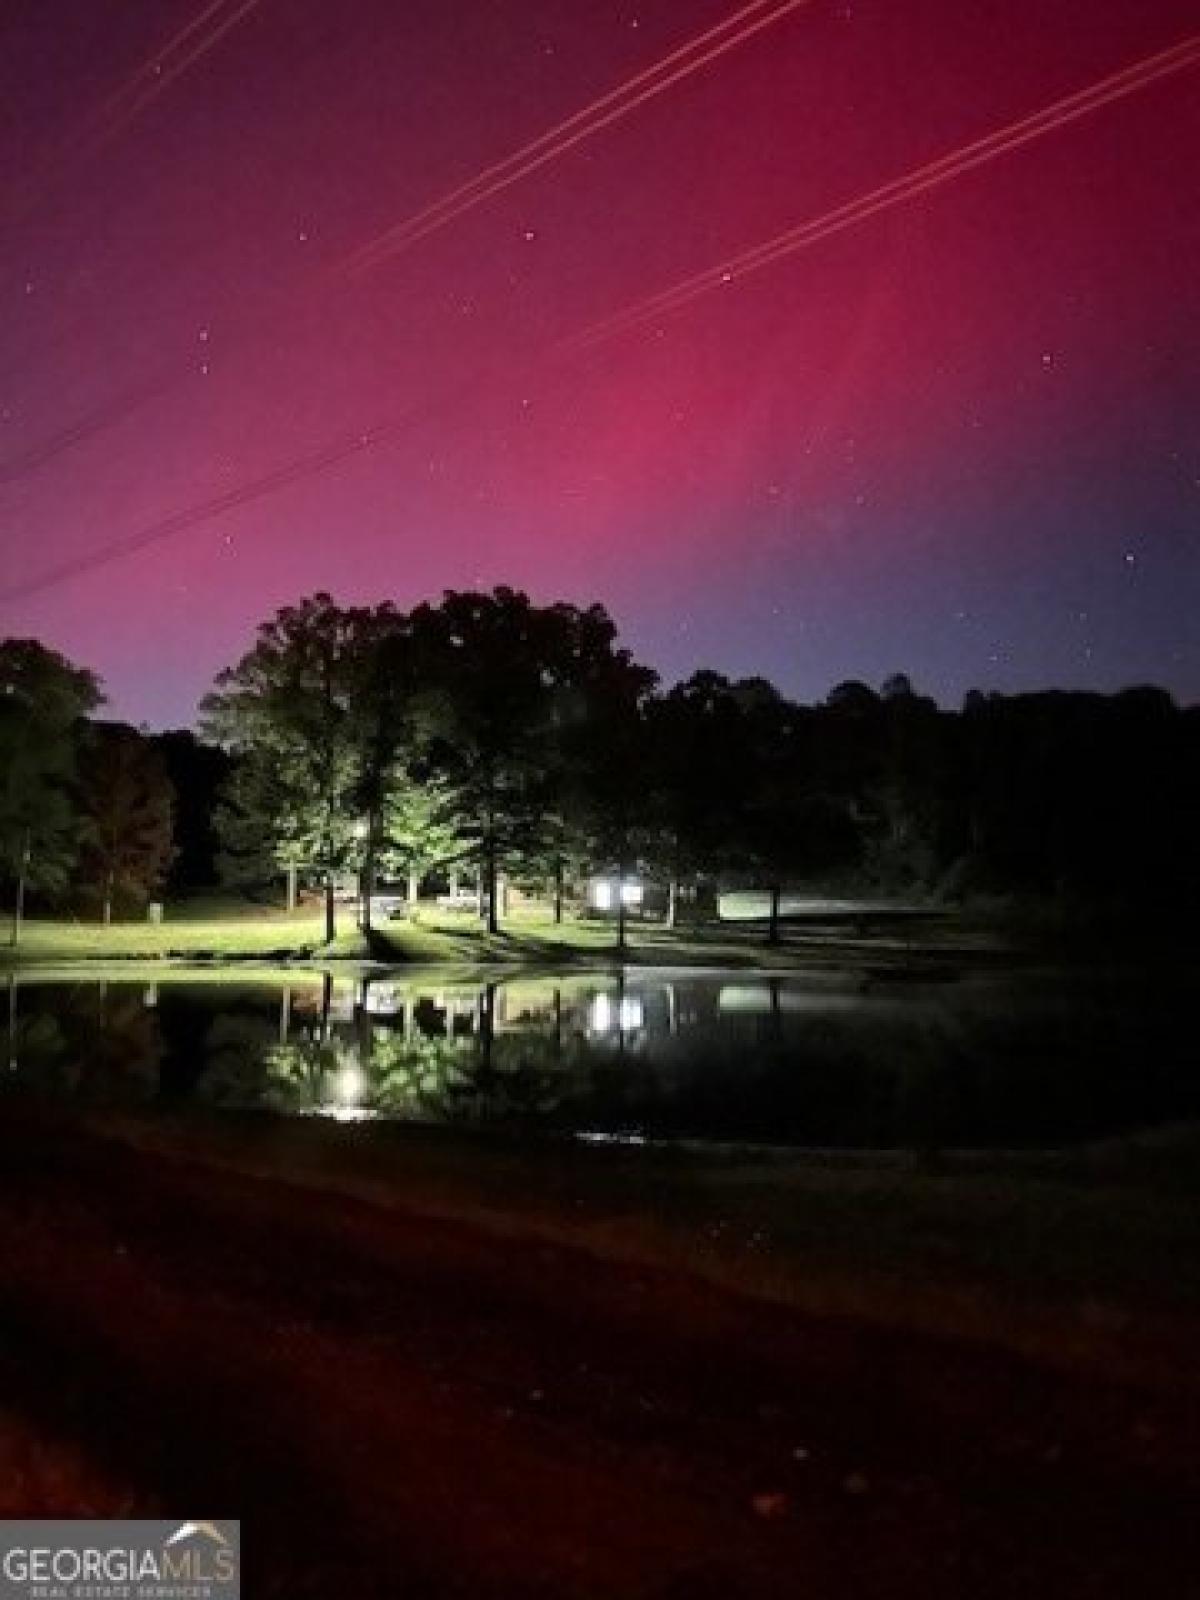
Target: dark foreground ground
point(398, 1404)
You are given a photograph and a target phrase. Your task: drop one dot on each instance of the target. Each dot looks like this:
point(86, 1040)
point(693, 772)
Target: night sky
point(960, 439)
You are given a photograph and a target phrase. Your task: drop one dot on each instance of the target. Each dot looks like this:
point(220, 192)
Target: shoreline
point(1070, 1254)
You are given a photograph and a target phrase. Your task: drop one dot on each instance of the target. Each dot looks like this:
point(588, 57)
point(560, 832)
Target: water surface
point(817, 1061)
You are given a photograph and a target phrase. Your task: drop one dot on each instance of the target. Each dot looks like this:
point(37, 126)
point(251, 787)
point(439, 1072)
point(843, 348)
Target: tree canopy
point(490, 736)
point(43, 700)
point(127, 802)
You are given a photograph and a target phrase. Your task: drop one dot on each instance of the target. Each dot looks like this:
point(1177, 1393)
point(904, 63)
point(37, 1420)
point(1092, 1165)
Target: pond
point(822, 1061)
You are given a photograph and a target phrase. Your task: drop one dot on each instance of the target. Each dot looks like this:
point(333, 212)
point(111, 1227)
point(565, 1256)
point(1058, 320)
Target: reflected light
point(349, 1084)
point(629, 1013)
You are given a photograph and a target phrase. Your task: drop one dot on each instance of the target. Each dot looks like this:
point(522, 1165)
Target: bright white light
point(633, 1012)
point(349, 1084)
point(628, 1013)
point(606, 890)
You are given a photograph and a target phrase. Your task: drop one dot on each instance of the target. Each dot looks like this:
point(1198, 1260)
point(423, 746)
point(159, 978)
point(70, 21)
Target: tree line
point(522, 743)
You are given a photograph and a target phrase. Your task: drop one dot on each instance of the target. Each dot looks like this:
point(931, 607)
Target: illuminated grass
point(228, 938)
point(238, 930)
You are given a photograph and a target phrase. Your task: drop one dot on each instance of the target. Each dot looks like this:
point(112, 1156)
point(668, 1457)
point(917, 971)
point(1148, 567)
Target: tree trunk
point(776, 1007)
point(18, 912)
point(493, 920)
point(366, 887)
point(558, 892)
point(362, 1020)
point(773, 922)
point(414, 887)
point(487, 1027)
point(326, 1006)
point(108, 894)
point(291, 887)
point(622, 941)
point(12, 1022)
point(330, 910)
point(672, 902)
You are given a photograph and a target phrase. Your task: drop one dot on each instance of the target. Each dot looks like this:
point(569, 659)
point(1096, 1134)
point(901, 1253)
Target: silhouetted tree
point(127, 806)
point(522, 695)
point(261, 829)
point(386, 730)
point(43, 699)
point(287, 707)
point(197, 773)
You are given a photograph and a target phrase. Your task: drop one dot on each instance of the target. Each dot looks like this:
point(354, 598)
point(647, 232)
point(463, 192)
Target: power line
point(323, 458)
point(921, 180)
point(618, 103)
point(146, 84)
point(614, 106)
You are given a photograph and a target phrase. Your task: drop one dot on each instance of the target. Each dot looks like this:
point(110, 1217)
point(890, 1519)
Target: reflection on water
point(731, 1056)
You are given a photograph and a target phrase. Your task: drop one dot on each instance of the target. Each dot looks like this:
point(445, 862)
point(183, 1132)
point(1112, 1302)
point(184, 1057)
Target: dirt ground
point(399, 1406)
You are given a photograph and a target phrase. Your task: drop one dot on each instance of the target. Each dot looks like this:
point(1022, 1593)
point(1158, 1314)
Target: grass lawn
point(234, 929)
point(228, 930)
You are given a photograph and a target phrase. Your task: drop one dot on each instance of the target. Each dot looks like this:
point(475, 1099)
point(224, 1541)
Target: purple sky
point(960, 440)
